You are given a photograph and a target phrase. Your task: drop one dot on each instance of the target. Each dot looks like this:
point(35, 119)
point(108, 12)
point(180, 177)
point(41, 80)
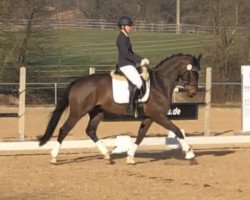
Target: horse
point(92, 94)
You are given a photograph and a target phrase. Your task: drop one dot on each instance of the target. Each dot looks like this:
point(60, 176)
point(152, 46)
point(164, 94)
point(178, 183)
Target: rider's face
point(128, 29)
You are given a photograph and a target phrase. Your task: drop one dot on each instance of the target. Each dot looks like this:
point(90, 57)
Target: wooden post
point(91, 70)
point(178, 11)
point(21, 113)
point(55, 85)
point(208, 100)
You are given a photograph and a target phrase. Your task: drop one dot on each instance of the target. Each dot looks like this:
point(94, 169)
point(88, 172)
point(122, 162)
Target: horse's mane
point(168, 58)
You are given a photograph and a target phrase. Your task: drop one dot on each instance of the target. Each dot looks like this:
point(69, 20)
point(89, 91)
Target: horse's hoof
point(189, 154)
point(108, 159)
point(130, 160)
point(53, 161)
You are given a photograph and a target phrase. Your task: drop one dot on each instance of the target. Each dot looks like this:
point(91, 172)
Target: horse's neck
point(164, 82)
point(167, 76)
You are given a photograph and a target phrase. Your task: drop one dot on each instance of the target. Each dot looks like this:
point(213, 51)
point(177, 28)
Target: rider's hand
point(144, 61)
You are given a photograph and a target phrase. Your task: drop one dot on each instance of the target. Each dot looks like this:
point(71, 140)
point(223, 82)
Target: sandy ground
point(221, 172)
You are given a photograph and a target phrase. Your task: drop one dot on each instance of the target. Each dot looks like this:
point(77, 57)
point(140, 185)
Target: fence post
point(21, 113)
point(55, 84)
point(91, 70)
point(178, 29)
point(208, 100)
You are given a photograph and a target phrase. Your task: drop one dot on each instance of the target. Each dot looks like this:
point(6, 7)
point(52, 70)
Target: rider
point(127, 61)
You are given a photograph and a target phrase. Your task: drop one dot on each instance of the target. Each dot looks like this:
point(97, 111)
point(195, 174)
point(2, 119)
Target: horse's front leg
point(166, 123)
point(146, 123)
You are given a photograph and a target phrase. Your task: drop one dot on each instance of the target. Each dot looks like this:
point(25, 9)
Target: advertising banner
point(177, 111)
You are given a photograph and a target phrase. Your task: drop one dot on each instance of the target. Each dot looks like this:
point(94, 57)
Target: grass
point(63, 49)
point(90, 47)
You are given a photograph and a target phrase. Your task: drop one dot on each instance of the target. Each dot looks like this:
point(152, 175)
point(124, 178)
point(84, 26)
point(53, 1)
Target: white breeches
point(132, 74)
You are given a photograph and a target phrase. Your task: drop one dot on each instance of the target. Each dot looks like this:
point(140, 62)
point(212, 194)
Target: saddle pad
point(121, 91)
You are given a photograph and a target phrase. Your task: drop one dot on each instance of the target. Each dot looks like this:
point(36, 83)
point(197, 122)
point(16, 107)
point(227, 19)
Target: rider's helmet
point(124, 20)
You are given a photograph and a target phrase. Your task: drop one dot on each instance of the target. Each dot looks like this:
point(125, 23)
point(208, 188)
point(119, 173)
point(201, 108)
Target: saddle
point(120, 86)
point(118, 75)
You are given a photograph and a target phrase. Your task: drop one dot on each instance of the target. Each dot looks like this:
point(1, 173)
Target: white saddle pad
point(121, 91)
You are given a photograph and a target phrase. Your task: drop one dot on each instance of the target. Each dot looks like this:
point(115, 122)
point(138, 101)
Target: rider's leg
point(132, 99)
point(133, 76)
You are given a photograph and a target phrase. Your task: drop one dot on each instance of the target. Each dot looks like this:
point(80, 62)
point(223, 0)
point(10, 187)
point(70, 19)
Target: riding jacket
point(126, 55)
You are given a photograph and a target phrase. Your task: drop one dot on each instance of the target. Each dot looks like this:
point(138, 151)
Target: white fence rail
point(50, 91)
point(105, 25)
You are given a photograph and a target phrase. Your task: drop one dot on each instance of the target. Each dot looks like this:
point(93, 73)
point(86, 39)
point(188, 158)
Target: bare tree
point(13, 12)
point(229, 51)
point(9, 45)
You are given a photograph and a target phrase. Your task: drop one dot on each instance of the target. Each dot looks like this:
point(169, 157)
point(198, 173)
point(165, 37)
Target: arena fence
point(103, 24)
point(183, 110)
point(150, 141)
point(21, 113)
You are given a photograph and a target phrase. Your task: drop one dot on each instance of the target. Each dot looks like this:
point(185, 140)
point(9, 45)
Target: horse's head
point(184, 68)
point(189, 74)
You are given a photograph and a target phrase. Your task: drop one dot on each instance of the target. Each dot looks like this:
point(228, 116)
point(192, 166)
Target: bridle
point(189, 69)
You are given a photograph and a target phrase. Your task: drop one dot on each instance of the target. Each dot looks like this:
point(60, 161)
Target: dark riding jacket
point(126, 55)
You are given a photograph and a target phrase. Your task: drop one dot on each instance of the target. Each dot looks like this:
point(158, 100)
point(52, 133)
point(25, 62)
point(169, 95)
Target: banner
point(177, 111)
point(245, 79)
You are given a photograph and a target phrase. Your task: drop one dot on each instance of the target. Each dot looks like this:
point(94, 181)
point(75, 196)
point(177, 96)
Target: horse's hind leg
point(63, 132)
point(96, 115)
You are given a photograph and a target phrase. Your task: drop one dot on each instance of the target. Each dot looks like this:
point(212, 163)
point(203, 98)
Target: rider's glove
point(144, 62)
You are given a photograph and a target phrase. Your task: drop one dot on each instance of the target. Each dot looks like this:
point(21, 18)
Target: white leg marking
point(55, 151)
point(187, 149)
point(132, 149)
point(131, 154)
point(190, 154)
point(184, 145)
point(101, 147)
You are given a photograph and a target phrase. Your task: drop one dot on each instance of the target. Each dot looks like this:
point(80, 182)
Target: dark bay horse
point(93, 95)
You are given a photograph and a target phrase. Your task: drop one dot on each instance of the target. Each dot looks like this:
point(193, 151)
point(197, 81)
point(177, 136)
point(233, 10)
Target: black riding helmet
point(124, 20)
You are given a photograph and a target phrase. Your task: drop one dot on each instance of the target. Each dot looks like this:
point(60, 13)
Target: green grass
point(63, 49)
point(90, 47)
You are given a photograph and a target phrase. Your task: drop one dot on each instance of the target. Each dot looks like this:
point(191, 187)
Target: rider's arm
point(125, 50)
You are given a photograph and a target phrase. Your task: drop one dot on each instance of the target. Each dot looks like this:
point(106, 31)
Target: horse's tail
point(55, 117)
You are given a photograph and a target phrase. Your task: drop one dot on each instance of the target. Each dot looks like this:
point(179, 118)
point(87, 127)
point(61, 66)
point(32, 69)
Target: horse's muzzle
point(191, 90)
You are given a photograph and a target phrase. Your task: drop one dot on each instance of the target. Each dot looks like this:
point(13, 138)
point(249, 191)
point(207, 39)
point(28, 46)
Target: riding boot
point(134, 92)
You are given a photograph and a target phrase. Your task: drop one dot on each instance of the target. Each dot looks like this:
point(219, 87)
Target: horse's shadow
point(78, 159)
point(154, 156)
point(174, 154)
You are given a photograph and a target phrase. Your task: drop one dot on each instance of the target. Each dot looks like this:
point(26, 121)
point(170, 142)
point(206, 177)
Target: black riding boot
point(134, 92)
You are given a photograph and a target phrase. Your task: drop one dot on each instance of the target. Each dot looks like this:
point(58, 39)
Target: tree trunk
point(23, 48)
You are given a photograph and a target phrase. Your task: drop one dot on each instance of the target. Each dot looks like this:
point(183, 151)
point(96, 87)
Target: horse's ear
point(199, 58)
